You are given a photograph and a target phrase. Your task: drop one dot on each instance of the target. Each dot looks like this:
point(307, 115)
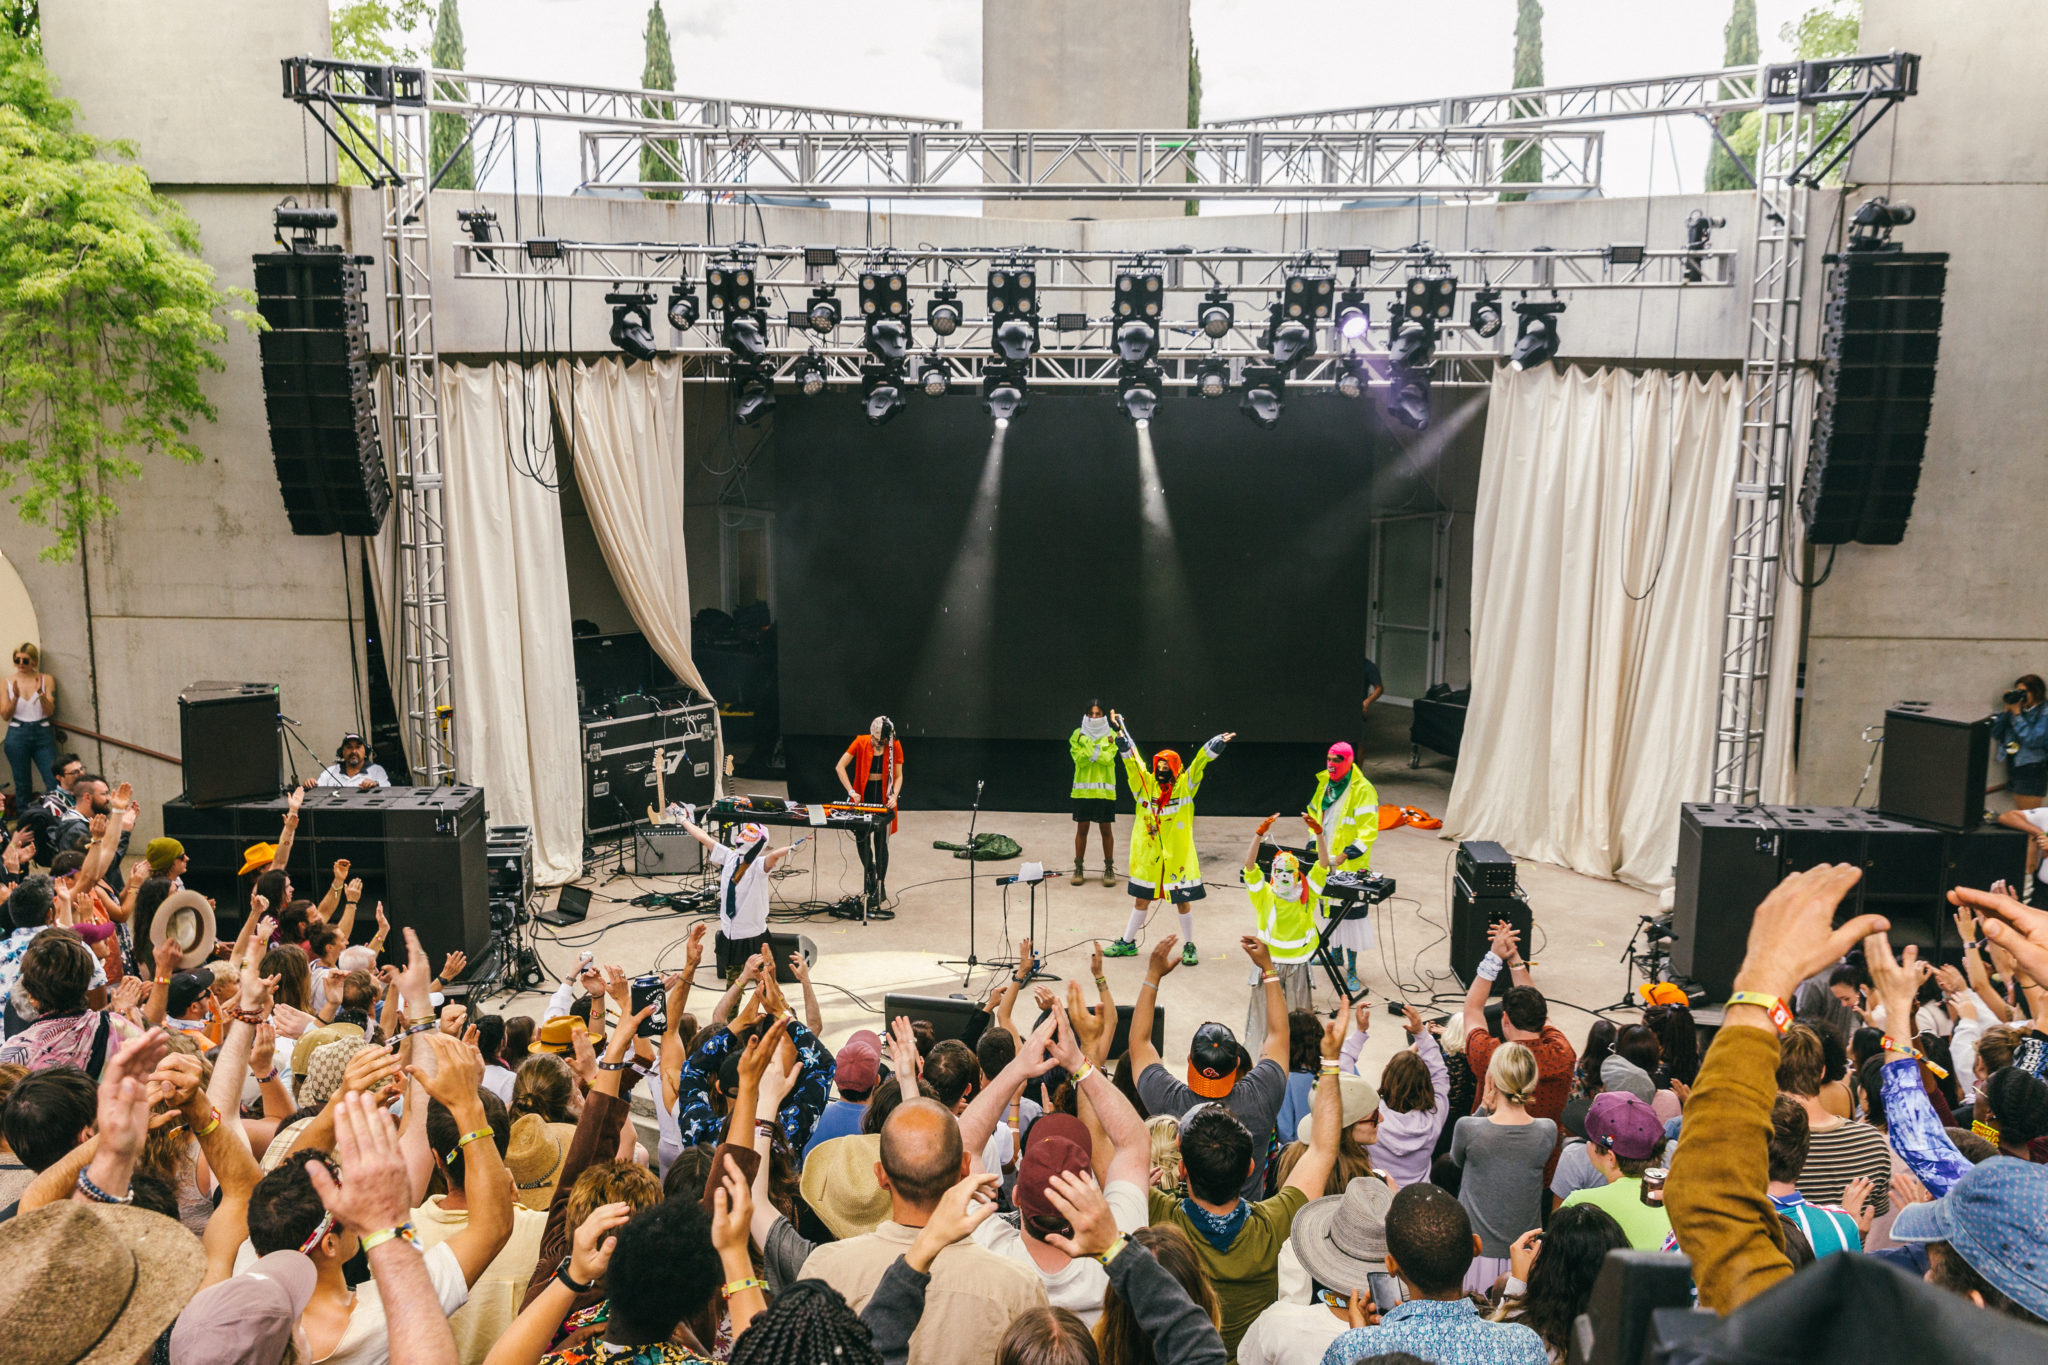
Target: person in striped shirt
point(1827, 1229)
point(1838, 1149)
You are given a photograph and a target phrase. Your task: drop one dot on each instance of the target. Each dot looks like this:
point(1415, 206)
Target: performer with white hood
point(1094, 796)
point(1286, 905)
point(743, 869)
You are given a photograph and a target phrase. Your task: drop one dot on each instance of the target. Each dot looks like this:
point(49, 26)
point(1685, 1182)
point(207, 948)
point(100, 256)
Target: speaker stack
point(1880, 340)
point(227, 733)
point(1485, 893)
point(316, 385)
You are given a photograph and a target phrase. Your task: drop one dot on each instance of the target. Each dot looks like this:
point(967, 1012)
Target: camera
point(2015, 697)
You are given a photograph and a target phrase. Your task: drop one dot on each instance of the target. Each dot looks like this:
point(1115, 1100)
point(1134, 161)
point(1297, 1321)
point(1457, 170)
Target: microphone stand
point(970, 962)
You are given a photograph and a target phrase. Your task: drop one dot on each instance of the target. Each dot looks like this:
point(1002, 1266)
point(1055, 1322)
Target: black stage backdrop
point(1213, 578)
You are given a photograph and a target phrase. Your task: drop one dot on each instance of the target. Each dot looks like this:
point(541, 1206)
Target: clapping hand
point(124, 1095)
point(1164, 959)
point(2018, 929)
point(1791, 936)
point(904, 1059)
point(732, 1210)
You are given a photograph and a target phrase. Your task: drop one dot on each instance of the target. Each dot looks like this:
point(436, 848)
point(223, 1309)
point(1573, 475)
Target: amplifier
point(1472, 919)
point(666, 851)
point(1935, 761)
point(420, 850)
point(227, 735)
point(619, 781)
point(1486, 867)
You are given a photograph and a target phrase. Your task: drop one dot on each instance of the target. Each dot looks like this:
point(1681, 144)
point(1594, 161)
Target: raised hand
point(341, 871)
point(293, 800)
point(1087, 1028)
point(1522, 1254)
point(1095, 957)
point(169, 956)
point(1894, 983)
point(759, 1052)
point(582, 1056)
point(619, 987)
point(2018, 929)
point(453, 1017)
point(1079, 1199)
point(368, 1072)
point(732, 1210)
point(1255, 948)
point(590, 1252)
point(1791, 935)
point(904, 1058)
point(127, 995)
point(1411, 1019)
point(1163, 959)
point(452, 965)
point(1042, 996)
point(415, 980)
point(353, 892)
point(175, 1081)
point(694, 952)
point(124, 1095)
point(799, 968)
point(263, 1051)
point(1061, 1047)
point(1026, 963)
point(1334, 1034)
point(375, 1189)
point(456, 1072)
point(962, 1209)
point(1505, 940)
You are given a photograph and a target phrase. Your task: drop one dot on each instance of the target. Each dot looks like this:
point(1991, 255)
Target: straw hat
point(840, 1186)
point(186, 918)
point(92, 1284)
point(533, 1154)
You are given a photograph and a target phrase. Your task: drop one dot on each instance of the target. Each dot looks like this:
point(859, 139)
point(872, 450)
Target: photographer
point(2021, 732)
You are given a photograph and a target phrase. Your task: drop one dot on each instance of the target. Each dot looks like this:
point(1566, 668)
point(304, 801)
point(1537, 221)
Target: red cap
point(1044, 1159)
point(859, 1063)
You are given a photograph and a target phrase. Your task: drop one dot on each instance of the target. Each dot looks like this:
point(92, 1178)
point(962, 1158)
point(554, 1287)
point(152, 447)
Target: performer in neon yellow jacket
point(1094, 796)
point(1344, 815)
point(1163, 862)
point(1287, 909)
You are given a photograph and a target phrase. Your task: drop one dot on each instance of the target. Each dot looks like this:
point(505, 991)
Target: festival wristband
point(1781, 1018)
point(267, 1077)
point(373, 1240)
point(211, 1124)
point(1489, 966)
point(1110, 1254)
point(468, 1138)
point(1102, 981)
point(742, 1286)
point(1083, 1072)
point(619, 1065)
point(1987, 1131)
point(765, 1128)
point(1268, 978)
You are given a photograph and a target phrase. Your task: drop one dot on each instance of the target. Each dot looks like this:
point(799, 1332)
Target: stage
point(1582, 922)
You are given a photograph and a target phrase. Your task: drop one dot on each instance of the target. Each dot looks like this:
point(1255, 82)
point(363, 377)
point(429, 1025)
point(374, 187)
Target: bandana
point(1172, 761)
point(1340, 756)
point(1095, 727)
point(1219, 1230)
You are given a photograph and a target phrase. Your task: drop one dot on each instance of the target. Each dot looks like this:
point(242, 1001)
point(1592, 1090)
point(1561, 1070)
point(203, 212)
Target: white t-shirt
point(333, 776)
point(1080, 1284)
point(1289, 1332)
point(365, 1341)
point(748, 917)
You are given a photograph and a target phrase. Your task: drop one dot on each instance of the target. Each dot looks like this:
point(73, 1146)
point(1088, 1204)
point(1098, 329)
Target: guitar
point(657, 813)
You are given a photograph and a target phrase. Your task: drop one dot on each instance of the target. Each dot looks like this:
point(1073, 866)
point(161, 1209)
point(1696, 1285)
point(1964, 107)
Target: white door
point(1405, 619)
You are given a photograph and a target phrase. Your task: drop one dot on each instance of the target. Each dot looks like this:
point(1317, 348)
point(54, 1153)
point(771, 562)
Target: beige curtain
point(1599, 563)
point(516, 731)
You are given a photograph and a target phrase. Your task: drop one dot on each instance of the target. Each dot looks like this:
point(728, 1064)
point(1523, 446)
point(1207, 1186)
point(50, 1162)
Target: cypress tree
point(448, 131)
point(1528, 163)
point(658, 73)
point(1739, 48)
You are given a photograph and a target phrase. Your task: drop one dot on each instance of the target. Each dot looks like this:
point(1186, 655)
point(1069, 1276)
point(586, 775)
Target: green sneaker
point(1123, 947)
point(1188, 956)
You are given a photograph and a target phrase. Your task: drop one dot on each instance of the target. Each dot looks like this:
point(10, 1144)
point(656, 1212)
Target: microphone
point(978, 785)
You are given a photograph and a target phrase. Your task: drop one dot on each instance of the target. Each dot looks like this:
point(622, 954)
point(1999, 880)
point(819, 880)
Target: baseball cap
point(187, 988)
point(1213, 1061)
point(246, 1320)
point(1573, 1119)
point(1624, 1125)
point(1045, 1158)
point(1994, 1219)
point(859, 1063)
point(1360, 1098)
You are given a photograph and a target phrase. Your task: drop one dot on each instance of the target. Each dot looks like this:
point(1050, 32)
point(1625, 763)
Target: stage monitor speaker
point(1880, 339)
point(324, 437)
point(227, 735)
point(948, 1016)
point(1486, 867)
point(1727, 864)
point(1935, 762)
point(780, 947)
point(666, 851)
point(1472, 919)
point(1120, 1043)
point(571, 905)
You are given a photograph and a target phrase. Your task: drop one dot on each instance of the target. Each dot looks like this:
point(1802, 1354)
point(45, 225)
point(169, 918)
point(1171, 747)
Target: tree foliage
point(377, 31)
point(23, 19)
point(1832, 29)
point(658, 73)
point(1739, 48)
point(108, 318)
point(1194, 206)
point(1528, 163)
point(447, 132)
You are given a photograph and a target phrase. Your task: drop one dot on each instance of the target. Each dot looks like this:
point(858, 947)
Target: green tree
point(659, 73)
point(1738, 48)
point(23, 19)
point(1194, 206)
point(1527, 164)
point(108, 318)
point(1832, 29)
point(447, 132)
point(373, 31)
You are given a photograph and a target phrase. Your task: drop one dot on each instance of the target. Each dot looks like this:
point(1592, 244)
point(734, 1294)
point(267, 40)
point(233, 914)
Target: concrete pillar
point(1084, 64)
point(1954, 613)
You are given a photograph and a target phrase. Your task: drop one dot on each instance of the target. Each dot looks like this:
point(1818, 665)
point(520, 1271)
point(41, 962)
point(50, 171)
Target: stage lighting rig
point(888, 339)
point(633, 324)
point(1354, 317)
point(753, 393)
point(729, 285)
point(1350, 381)
point(810, 375)
point(884, 293)
point(480, 224)
point(1408, 399)
point(1486, 315)
point(823, 314)
point(1140, 291)
point(1014, 339)
point(1411, 345)
point(943, 313)
point(881, 389)
point(1536, 338)
point(1004, 393)
point(1138, 392)
point(1431, 294)
point(1212, 378)
point(746, 336)
point(1870, 227)
point(1217, 313)
point(682, 306)
point(1288, 340)
point(1307, 294)
point(1013, 310)
point(1137, 341)
point(1699, 231)
point(934, 378)
point(1264, 389)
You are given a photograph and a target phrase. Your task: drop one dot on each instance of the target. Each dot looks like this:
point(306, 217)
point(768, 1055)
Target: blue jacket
point(2028, 729)
point(700, 1124)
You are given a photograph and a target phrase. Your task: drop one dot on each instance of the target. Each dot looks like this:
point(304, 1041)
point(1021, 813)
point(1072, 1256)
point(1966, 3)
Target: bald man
point(974, 1293)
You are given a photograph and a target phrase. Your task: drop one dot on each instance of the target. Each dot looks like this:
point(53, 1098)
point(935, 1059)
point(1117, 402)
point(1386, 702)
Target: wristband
point(766, 1128)
point(742, 1286)
point(1110, 1253)
point(1102, 981)
point(100, 1196)
point(423, 1019)
point(1489, 967)
point(467, 1138)
point(619, 1065)
point(373, 1240)
point(211, 1124)
point(160, 981)
point(267, 1077)
point(251, 1017)
point(1332, 1067)
point(1268, 978)
point(1083, 1072)
point(1781, 1018)
point(574, 1286)
point(424, 1026)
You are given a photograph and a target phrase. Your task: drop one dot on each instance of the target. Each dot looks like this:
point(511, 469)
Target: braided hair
point(809, 1323)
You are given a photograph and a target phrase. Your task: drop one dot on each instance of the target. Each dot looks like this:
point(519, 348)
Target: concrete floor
point(1581, 923)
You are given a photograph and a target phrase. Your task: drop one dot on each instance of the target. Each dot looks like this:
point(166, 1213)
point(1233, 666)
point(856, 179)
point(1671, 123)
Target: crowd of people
point(295, 1148)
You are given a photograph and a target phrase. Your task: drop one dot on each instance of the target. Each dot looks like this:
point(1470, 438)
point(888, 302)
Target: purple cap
point(247, 1320)
point(1624, 1125)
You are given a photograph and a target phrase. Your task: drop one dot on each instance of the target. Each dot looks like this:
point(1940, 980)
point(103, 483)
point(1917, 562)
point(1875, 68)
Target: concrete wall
point(199, 577)
point(1083, 64)
point(1952, 613)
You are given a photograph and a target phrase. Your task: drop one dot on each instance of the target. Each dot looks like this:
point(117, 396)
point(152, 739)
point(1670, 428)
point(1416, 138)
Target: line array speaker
point(316, 391)
point(1879, 344)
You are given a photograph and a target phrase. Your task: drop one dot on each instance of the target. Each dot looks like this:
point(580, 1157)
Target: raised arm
point(293, 800)
point(978, 1121)
point(1251, 855)
point(1312, 1172)
point(1483, 976)
point(1162, 961)
point(691, 828)
point(673, 1044)
point(590, 1255)
point(814, 1018)
point(1277, 1037)
point(457, 1073)
point(1130, 1142)
point(1175, 1327)
point(106, 849)
point(1914, 1130)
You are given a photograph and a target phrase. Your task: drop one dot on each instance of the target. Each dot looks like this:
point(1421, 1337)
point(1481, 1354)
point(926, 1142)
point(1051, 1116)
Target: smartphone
point(1652, 1192)
point(1386, 1290)
point(648, 990)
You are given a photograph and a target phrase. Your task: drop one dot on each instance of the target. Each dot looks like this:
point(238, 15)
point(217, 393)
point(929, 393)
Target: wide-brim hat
point(840, 1186)
point(185, 918)
point(93, 1284)
point(1341, 1238)
point(534, 1156)
point(257, 858)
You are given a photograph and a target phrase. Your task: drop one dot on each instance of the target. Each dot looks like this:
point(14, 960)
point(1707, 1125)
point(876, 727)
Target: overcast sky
point(1258, 56)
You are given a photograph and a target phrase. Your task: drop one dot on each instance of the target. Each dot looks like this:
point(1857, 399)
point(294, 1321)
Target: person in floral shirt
point(710, 1076)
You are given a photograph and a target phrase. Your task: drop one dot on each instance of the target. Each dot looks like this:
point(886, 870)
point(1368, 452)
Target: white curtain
point(516, 730)
point(1599, 564)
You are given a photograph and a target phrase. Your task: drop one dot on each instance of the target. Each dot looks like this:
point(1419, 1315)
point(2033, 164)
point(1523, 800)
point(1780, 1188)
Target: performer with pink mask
point(1344, 816)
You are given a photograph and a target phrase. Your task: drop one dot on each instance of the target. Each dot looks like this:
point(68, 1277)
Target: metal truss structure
point(1074, 288)
point(1801, 140)
point(1729, 90)
point(1175, 163)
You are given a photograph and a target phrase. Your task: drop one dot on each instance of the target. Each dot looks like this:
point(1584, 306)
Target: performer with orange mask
point(1163, 865)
